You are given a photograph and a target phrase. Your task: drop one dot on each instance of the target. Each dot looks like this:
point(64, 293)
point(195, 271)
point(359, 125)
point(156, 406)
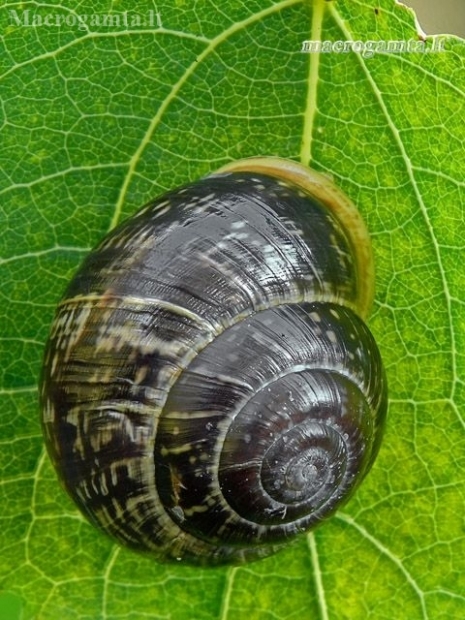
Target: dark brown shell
point(209, 389)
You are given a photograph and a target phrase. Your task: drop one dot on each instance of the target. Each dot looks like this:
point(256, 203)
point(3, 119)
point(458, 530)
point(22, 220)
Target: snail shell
point(210, 389)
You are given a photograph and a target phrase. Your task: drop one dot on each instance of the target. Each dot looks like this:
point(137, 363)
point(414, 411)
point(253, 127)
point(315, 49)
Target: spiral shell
point(210, 388)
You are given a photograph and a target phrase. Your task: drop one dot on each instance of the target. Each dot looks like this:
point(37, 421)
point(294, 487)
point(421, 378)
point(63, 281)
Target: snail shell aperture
point(210, 389)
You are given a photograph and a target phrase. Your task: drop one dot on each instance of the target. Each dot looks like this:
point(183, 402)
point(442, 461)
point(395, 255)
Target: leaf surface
point(99, 118)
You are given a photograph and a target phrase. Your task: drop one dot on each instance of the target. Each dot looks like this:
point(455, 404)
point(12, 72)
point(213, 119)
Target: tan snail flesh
point(209, 388)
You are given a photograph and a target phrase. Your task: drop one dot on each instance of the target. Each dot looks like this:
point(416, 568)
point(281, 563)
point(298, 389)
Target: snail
point(210, 390)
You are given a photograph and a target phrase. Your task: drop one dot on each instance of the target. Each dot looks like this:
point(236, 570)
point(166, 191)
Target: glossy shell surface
point(210, 388)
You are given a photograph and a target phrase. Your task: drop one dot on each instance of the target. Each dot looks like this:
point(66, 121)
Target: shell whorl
point(209, 388)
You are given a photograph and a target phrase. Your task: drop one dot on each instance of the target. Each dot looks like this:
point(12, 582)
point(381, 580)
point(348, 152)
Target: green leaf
point(96, 119)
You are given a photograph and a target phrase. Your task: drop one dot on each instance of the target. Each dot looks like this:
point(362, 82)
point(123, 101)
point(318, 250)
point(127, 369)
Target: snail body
point(210, 389)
